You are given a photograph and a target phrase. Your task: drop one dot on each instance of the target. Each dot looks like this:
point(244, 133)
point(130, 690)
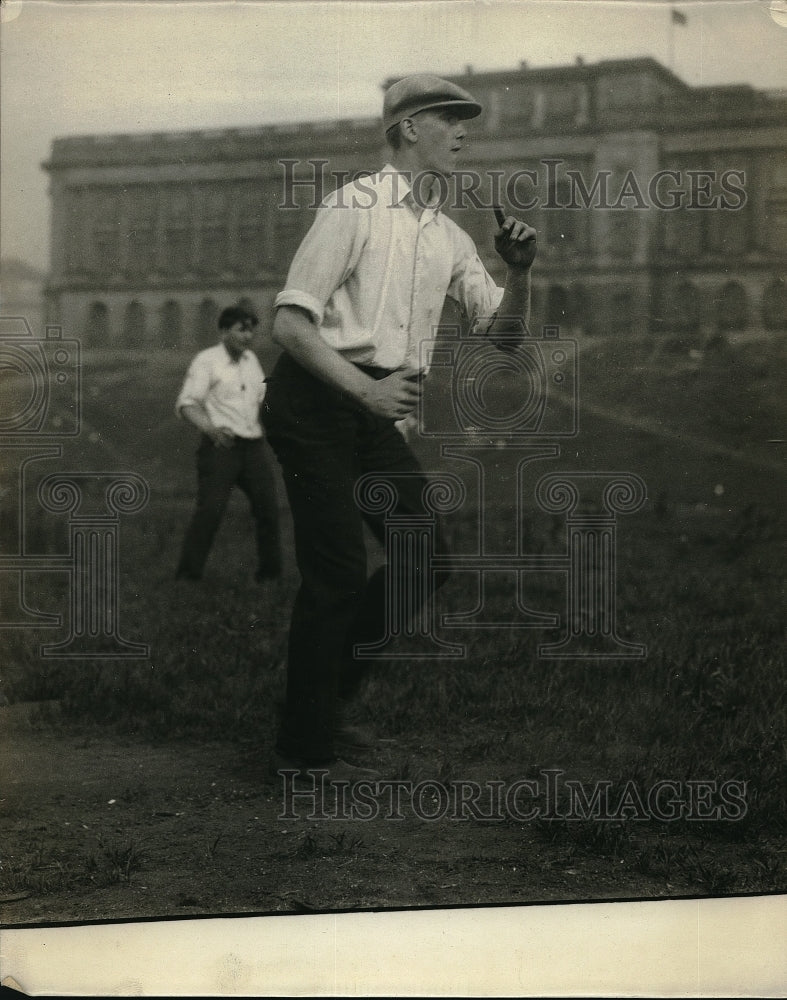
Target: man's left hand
point(516, 243)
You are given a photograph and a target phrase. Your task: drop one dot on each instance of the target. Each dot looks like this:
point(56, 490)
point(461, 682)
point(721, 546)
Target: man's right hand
point(221, 437)
point(394, 396)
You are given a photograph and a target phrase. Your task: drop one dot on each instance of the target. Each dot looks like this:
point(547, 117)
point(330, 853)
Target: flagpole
point(675, 17)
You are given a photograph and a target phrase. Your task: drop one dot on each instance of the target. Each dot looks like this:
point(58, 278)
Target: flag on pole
point(678, 17)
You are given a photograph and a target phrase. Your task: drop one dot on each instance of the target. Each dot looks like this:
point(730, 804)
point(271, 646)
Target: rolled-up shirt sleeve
point(325, 259)
point(474, 288)
point(195, 386)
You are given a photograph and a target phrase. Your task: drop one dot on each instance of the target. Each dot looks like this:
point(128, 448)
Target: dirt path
point(94, 829)
point(658, 428)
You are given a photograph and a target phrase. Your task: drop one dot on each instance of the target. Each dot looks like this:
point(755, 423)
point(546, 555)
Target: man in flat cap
point(364, 290)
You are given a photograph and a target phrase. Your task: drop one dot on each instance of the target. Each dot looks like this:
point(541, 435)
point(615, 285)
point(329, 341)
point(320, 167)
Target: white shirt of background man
point(230, 391)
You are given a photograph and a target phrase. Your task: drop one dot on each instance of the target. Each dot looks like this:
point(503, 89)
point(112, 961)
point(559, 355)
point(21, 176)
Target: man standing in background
point(221, 397)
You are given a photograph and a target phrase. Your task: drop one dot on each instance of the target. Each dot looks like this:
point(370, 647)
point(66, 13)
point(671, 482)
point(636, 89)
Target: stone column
point(123, 226)
point(196, 227)
point(160, 230)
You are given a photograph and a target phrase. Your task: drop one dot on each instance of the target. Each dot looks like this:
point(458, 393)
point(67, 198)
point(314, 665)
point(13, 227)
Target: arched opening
point(134, 325)
point(774, 305)
point(207, 318)
point(536, 307)
point(686, 309)
point(171, 326)
point(622, 235)
point(621, 315)
point(579, 316)
point(732, 308)
point(561, 221)
point(557, 305)
point(97, 326)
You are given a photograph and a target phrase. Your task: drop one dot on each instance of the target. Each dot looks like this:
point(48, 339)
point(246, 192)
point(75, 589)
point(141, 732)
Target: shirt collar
point(230, 358)
point(400, 190)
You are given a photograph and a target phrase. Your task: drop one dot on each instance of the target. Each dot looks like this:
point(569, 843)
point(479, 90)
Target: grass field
point(700, 584)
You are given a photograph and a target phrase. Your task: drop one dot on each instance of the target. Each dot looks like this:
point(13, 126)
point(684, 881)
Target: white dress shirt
point(230, 391)
point(374, 271)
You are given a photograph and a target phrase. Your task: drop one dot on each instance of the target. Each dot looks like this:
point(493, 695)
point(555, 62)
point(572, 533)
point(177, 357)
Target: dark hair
point(236, 314)
point(394, 136)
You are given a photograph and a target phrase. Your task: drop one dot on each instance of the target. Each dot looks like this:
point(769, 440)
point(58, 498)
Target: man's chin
point(443, 172)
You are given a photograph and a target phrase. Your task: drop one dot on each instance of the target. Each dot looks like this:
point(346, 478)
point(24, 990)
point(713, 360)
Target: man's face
point(440, 138)
point(238, 337)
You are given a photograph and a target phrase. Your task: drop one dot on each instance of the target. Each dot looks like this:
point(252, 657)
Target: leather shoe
point(354, 737)
point(312, 773)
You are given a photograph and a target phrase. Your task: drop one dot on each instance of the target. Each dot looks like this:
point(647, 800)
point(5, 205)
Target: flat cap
point(422, 92)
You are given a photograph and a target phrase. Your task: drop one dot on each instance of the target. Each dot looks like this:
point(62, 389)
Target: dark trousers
point(324, 442)
point(244, 464)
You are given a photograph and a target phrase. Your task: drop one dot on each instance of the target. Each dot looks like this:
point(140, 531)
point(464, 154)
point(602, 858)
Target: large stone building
point(660, 207)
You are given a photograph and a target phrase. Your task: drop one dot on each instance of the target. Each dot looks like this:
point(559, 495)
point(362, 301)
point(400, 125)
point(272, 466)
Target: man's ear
point(409, 130)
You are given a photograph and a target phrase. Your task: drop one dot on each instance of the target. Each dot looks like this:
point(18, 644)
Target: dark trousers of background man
point(244, 464)
point(325, 442)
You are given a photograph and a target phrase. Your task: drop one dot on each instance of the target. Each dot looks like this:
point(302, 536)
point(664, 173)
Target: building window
point(561, 105)
point(561, 223)
point(142, 219)
point(178, 230)
point(537, 301)
point(732, 308)
point(684, 309)
point(778, 170)
point(774, 305)
point(492, 116)
point(177, 254)
point(214, 255)
point(207, 319)
point(775, 236)
point(518, 106)
point(106, 258)
point(245, 303)
point(290, 228)
point(77, 255)
point(105, 238)
point(622, 315)
point(251, 251)
point(214, 235)
point(141, 252)
point(623, 91)
point(97, 326)
point(171, 325)
point(557, 305)
point(622, 235)
point(733, 233)
point(580, 317)
point(134, 325)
